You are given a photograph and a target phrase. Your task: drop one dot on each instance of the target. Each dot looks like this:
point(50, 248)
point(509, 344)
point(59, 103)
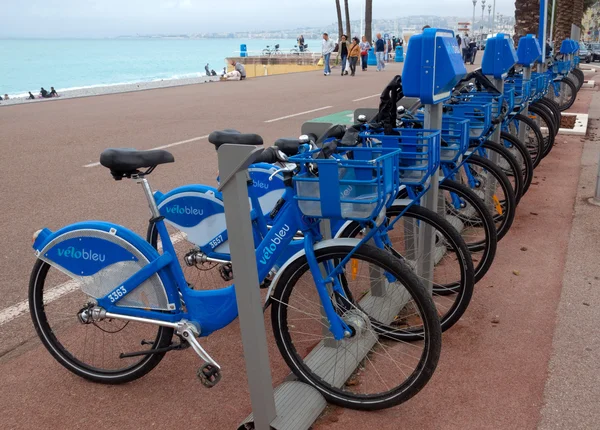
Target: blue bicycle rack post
point(528, 52)
point(432, 68)
point(498, 58)
point(543, 29)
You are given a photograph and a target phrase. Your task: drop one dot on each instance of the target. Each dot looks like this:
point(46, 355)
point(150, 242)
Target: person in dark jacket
point(380, 52)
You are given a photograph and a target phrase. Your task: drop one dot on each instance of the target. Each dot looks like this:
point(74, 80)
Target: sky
point(107, 18)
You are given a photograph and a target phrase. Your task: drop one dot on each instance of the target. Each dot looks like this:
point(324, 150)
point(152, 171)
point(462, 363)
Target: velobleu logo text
point(270, 248)
point(184, 210)
point(83, 254)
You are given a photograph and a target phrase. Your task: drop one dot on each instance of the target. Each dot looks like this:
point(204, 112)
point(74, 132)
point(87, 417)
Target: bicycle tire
point(577, 74)
point(509, 165)
point(504, 220)
point(66, 358)
point(553, 106)
point(534, 142)
point(567, 84)
point(455, 242)
point(544, 116)
point(513, 144)
point(476, 215)
point(294, 353)
point(484, 219)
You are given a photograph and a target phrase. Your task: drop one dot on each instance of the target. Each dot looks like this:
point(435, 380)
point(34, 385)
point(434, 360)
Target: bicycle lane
point(494, 362)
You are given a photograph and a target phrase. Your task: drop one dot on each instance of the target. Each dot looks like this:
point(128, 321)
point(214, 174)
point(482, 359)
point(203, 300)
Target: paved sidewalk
point(572, 394)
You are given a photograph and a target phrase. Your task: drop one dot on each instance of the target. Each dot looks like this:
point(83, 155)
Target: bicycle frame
point(210, 309)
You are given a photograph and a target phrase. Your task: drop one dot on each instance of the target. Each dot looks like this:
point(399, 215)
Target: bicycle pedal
point(209, 375)
point(226, 271)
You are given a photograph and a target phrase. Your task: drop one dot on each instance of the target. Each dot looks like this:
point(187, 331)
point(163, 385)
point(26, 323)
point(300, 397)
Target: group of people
point(468, 48)
point(349, 52)
point(45, 94)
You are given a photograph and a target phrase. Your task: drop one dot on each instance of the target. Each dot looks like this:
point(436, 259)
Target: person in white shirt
point(327, 48)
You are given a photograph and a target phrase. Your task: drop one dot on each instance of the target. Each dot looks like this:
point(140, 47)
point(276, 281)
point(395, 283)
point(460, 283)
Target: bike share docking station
point(434, 66)
point(294, 405)
point(498, 58)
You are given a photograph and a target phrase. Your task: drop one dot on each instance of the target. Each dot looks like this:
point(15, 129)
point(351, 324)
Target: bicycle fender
point(99, 256)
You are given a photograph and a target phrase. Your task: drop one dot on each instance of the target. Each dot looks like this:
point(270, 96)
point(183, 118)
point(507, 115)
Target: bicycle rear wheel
point(376, 367)
point(542, 116)
point(92, 351)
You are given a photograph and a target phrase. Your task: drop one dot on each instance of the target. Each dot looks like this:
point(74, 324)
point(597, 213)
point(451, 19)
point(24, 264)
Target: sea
point(71, 64)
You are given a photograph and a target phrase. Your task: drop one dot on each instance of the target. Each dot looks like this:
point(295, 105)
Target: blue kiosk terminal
point(432, 68)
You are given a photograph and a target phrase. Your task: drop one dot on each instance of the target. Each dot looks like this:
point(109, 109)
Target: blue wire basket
point(561, 67)
point(419, 152)
point(522, 88)
point(496, 100)
point(355, 187)
point(509, 98)
point(455, 138)
point(478, 114)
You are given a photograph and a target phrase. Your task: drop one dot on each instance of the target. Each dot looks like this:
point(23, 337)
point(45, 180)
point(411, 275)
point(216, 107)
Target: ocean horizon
point(75, 64)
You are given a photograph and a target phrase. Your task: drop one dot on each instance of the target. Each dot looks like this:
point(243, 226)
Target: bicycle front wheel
point(92, 351)
point(384, 304)
point(453, 277)
point(493, 187)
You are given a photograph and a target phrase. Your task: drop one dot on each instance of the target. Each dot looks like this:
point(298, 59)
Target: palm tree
point(527, 18)
point(564, 19)
point(369, 20)
point(340, 22)
point(577, 12)
point(348, 27)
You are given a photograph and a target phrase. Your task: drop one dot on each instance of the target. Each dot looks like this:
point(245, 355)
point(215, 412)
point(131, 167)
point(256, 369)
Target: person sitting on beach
point(237, 74)
point(31, 96)
point(301, 43)
point(213, 73)
point(6, 97)
point(44, 93)
point(53, 92)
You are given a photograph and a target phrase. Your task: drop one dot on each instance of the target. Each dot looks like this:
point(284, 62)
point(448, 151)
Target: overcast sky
point(100, 18)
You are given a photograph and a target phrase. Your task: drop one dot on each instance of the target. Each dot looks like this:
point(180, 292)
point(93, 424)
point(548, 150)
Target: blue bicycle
point(348, 318)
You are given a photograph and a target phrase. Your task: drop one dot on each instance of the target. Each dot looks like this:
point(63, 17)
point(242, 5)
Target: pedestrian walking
point(327, 47)
point(364, 52)
point(380, 52)
point(343, 51)
point(353, 55)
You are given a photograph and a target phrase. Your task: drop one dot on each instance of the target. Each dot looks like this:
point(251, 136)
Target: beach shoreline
point(114, 89)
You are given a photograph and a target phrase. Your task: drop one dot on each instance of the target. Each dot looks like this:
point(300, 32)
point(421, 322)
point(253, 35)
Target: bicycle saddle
point(229, 136)
point(123, 162)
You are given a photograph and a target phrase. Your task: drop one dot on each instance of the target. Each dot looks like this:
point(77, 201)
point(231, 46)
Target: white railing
point(280, 53)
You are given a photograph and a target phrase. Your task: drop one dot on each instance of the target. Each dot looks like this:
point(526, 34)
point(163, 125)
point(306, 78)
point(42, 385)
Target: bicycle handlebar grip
point(269, 155)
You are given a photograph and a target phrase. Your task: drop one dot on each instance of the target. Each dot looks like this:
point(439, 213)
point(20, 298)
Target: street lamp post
point(473, 24)
point(493, 19)
point(490, 17)
point(481, 27)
